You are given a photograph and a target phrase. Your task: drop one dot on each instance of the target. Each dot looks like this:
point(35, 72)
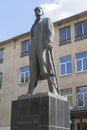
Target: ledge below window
point(80, 37)
point(24, 54)
point(64, 42)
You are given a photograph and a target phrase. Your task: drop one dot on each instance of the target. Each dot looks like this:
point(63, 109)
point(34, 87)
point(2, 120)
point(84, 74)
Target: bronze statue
point(41, 57)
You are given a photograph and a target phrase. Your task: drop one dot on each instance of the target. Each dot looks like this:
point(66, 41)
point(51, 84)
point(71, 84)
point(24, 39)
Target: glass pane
point(78, 29)
point(29, 73)
point(22, 78)
point(27, 77)
point(25, 74)
point(85, 64)
point(79, 65)
point(25, 46)
point(62, 69)
point(66, 91)
point(1, 53)
point(80, 99)
point(70, 100)
point(68, 33)
point(69, 68)
point(81, 55)
point(85, 27)
point(24, 69)
point(65, 59)
point(62, 34)
point(81, 89)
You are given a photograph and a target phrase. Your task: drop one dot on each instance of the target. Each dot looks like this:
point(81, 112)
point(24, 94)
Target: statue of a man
point(41, 61)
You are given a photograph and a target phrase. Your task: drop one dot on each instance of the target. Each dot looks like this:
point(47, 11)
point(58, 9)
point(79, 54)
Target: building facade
point(70, 56)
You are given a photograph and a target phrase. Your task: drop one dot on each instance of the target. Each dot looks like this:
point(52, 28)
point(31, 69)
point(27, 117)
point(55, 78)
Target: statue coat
point(42, 34)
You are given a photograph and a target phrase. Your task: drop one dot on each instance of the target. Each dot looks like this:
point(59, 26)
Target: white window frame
point(82, 63)
point(83, 27)
point(65, 63)
point(66, 35)
point(83, 93)
point(68, 95)
point(82, 34)
point(23, 76)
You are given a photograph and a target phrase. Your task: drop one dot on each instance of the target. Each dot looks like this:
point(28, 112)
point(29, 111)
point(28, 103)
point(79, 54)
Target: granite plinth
point(40, 112)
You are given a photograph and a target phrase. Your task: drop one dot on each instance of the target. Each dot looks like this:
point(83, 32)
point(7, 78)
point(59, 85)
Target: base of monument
point(44, 111)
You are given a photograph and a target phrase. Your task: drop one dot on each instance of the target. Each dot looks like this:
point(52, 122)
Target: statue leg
point(52, 84)
point(34, 73)
point(33, 83)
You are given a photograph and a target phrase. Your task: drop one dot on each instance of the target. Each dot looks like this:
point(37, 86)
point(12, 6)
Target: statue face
point(38, 11)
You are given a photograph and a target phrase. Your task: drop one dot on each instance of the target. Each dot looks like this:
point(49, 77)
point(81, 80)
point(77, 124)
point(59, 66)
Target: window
point(65, 35)
point(67, 93)
point(81, 96)
point(0, 80)
point(24, 75)
point(81, 62)
point(81, 30)
point(1, 55)
point(65, 65)
point(25, 48)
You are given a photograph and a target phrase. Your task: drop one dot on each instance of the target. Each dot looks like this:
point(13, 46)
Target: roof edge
point(70, 18)
point(15, 38)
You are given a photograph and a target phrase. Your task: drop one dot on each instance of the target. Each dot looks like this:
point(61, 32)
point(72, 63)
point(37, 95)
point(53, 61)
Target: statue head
point(38, 11)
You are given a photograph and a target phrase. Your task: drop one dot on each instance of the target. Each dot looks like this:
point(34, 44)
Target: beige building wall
point(75, 79)
point(11, 87)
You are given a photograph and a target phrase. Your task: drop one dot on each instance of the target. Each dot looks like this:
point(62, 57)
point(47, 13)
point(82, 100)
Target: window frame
point(83, 98)
point(24, 77)
point(65, 63)
point(26, 43)
point(68, 95)
point(67, 40)
point(82, 63)
point(82, 34)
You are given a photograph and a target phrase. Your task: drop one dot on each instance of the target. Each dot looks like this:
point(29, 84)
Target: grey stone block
point(44, 111)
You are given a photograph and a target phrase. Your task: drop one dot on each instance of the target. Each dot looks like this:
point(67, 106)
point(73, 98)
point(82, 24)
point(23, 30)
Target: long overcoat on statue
point(41, 62)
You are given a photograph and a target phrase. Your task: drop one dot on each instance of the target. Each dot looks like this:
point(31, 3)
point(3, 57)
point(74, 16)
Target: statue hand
point(50, 46)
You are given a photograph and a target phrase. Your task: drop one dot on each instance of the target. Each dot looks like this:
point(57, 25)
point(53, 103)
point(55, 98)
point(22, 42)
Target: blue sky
point(17, 16)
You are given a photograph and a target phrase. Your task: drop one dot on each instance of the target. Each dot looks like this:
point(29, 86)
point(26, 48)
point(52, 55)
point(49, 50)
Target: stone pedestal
point(40, 112)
